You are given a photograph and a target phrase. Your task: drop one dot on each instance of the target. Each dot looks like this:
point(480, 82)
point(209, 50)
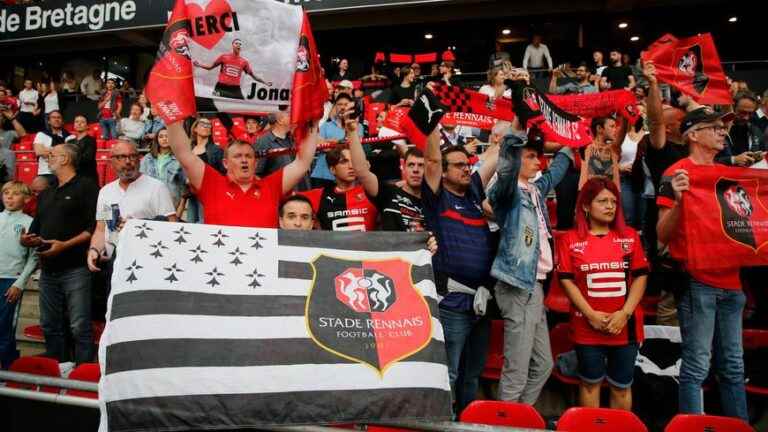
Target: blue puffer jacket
point(519, 250)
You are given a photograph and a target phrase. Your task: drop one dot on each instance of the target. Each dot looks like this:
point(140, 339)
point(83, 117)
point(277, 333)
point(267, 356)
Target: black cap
point(702, 115)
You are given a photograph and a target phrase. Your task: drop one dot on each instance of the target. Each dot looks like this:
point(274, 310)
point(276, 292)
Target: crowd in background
point(502, 215)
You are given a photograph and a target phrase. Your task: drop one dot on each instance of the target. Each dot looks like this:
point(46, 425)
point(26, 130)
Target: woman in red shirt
point(603, 272)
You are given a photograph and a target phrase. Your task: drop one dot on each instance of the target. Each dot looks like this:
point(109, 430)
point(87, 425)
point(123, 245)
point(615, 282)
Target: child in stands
point(16, 264)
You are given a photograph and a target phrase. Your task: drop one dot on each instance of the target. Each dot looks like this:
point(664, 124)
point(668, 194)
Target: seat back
point(581, 419)
point(556, 299)
point(36, 366)
point(500, 413)
point(85, 372)
point(706, 423)
point(495, 358)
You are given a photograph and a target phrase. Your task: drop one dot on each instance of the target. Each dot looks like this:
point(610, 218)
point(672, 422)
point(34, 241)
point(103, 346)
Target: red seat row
point(44, 366)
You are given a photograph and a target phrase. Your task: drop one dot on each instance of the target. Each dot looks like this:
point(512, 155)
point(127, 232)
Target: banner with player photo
point(242, 57)
point(727, 211)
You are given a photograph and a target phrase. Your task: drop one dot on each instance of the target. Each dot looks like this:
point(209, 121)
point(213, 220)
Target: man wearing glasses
point(711, 306)
point(61, 231)
point(452, 204)
point(131, 195)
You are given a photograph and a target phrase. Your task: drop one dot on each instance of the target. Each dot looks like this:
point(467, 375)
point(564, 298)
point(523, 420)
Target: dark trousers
point(65, 296)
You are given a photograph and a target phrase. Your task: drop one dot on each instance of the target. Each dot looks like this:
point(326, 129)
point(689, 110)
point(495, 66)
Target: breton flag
point(237, 56)
point(226, 327)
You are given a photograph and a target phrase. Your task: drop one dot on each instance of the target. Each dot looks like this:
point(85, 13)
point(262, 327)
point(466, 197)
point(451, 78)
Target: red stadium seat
point(560, 342)
point(25, 155)
point(85, 372)
point(34, 332)
point(69, 127)
point(37, 366)
point(556, 300)
point(94, 130)
point(499, 413)
point(581, 419)
point(26, 171)
point(495, 358)
point(706, 423)
point(754, 339)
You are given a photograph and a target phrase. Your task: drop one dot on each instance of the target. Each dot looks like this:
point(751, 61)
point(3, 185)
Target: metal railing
point(63, 399)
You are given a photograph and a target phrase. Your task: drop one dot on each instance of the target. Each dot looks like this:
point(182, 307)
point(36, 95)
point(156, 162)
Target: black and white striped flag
point(214, 327)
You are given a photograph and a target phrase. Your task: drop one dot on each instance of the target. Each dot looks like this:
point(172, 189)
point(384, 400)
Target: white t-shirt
point(145, 198)
point(534, 57)
point(487, 90)
point(51, 102)
point(133, 129)
point(628, 150)
point(47, 141)
point(28, 100)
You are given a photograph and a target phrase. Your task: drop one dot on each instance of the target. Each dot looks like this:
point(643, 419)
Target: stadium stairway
point(29, 315)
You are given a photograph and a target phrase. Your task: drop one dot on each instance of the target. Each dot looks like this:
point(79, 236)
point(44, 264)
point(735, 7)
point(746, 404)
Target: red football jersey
point(603, 267)
point(232, 68)
point(343, 211)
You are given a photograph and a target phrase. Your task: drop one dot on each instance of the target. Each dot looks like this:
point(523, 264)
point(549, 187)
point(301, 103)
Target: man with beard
point(617, 76)
point(452, 198)
point(582, 85)
point(61, 231)
point(710, 307)
point(131, 196)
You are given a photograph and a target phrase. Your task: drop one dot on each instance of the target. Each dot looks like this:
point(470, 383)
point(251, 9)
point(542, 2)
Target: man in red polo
point(240, 198)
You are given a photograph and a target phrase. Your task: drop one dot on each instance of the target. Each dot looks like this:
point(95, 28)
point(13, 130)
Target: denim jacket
point(174, 175)
point(518, 254)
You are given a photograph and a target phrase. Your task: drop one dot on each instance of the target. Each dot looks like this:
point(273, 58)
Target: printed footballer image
point(231, 68)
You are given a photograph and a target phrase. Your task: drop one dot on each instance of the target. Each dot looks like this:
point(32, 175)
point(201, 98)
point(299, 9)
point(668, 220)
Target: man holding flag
point(239, 197)
point(710, 308)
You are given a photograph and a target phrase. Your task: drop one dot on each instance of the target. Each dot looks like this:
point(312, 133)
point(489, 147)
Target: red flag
point(309, 89)
point(725, 216)
point(170, 87)
point(692, 66)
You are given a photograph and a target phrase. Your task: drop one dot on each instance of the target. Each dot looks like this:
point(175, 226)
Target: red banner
point(309, 90)
point(602, 104)
point(692, 66)
point(725, 216)
point(170, 86)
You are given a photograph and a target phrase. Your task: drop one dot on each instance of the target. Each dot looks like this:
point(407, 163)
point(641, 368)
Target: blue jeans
point(632, 204)
point(466, 344)
point(616, 362)
point(65, 296)
point(710, 321)
point(8, 352)
point(108, 128)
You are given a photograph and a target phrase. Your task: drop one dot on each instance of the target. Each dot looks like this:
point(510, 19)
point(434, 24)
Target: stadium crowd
point(507, 212)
